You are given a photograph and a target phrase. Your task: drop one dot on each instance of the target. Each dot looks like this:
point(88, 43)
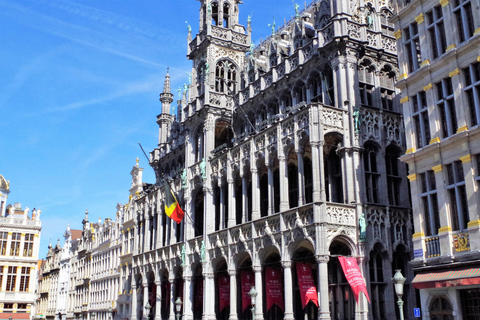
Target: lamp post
point(398, 281)
point(178, 307)
point(110, 313)
point(253, 295)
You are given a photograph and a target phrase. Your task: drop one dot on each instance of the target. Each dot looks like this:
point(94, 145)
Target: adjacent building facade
point(19, 246)
point(439, 61)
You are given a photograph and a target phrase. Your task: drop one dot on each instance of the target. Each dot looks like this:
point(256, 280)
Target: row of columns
point(210, 292)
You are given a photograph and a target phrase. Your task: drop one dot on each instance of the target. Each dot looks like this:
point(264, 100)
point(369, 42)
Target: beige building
point(438, 46)
point(19, 246)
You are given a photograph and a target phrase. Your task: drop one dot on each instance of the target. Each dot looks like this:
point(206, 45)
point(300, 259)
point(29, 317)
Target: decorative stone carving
point(332, 118)
point(370, 124)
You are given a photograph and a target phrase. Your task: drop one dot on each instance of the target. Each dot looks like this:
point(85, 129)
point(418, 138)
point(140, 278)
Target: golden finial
point(137, 160)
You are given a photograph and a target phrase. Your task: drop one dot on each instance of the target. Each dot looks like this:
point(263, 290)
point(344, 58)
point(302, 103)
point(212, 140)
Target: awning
point(7, 315)
point(447, 279)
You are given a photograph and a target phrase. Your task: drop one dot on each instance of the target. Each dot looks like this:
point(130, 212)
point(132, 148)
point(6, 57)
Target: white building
point(19, 246)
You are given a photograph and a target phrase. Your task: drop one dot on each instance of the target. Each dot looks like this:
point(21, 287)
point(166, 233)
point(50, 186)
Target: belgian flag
point(172, 207)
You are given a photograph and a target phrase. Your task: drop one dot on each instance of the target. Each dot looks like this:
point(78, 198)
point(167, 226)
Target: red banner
point(223, 282)
point(247, 279)
point(308, 291)
point(354, 276)
point(274, 287)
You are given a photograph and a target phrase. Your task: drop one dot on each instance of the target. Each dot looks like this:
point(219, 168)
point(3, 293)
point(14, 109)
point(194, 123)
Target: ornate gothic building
point(283, 156)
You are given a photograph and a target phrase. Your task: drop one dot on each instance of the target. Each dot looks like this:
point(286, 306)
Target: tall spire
point(166, 97)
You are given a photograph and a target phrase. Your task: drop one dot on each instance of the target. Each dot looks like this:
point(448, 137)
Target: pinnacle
point(166, 86)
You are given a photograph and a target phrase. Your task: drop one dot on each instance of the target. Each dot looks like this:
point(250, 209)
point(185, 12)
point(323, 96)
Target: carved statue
point(207, 70)
point(370, 20)
point(252, 46)
point(363, 227)
point(179, 91)
point(356, 118)
point(185, 88)
point(183, 255)
point(183, 177)
point(202, 252)
point(297, 11)
point(209, 9)
point(202, 168)
point(189, 77)
point(273, 26)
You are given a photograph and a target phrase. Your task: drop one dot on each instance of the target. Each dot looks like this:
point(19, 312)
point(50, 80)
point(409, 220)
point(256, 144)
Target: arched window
point(342, 302)
point(316, 88)
point(198, 214)
point(365, 79)
point(225, 77)
point(371, 172)
point(214, 13)
point(226, 15)
point(198, 145)
point(392, 154)
point(377, 282)
point(440, 309)
point(329, 87)
point(387, 88)
point(300, 93)
point(333, 168)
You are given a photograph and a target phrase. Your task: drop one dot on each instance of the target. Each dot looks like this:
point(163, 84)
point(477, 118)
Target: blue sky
point(80, 82)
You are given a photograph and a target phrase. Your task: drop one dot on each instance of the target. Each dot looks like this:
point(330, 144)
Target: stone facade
point(19, 245)
point(439, 59)
point(280, 154)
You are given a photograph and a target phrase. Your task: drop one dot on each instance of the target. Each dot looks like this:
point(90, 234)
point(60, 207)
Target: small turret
point(165, 119)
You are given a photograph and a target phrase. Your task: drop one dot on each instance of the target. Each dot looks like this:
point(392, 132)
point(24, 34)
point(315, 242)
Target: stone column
point(255, 194)
point(222, 224)
point(244, 198)
point(159, 223)
point(271, 202)
point(233, 294)
point(324, 312)
point(209, 293)
point(140, 247)
point(284, 205)
point(145, 300)
point(134, 300)
point(187, 296)
point(158, 301)
point(171, 279)
point(259, 288)
point(231, 204)
point(301, 183)
point(147, 234)
point(287, 276)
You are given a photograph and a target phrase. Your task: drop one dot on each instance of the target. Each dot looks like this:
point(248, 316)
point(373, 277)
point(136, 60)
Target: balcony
point(432, 245)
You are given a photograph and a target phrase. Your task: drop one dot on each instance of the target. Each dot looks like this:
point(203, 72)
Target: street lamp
point(110, 312)
point(178, 307)
point(253, 295)
point(398, 280)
